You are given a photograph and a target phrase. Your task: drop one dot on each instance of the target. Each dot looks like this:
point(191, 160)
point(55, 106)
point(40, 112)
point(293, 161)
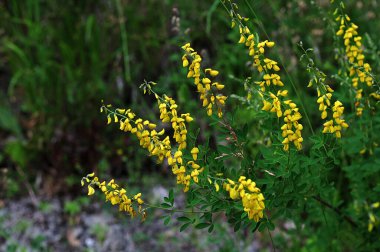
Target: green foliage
point(59, 59)
point(99, 231)
point(327, 190)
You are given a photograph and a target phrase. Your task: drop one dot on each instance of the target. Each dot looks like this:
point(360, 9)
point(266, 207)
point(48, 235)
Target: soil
point(97, 226)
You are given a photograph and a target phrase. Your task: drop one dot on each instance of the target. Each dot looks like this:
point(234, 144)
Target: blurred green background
point(59, 59)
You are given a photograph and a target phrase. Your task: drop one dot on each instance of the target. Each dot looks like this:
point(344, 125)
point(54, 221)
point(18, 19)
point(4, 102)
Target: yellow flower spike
point(109, 120)
point(203, 84)
point(250, 196)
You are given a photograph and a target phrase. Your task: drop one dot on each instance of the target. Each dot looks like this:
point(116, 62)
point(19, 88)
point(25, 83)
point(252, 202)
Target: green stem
point(286, 72)
point(337, 211)
point(124, 42)
point(174, 210)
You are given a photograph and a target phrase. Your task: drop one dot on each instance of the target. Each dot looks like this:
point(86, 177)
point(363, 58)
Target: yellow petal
point(216, 187)
point(209, 180)
point(91, 190)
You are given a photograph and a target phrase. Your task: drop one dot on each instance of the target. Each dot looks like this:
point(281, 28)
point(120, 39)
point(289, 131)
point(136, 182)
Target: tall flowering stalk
point(358, 69)
point(208, 89)
point(155, 141)
point(116, 195)
point(273, 101)
point(331, 112)
point(172, 148)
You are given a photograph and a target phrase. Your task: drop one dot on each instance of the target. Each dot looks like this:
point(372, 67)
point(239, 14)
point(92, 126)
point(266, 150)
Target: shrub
point(320, 173)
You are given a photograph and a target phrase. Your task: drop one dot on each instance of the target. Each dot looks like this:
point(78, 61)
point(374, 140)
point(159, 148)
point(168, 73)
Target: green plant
point(100, 231)
point(74, 207)
point(324, 181)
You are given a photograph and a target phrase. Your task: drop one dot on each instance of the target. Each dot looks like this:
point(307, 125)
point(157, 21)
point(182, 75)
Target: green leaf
point(171, 196)
point(262, 226)
point(184, 219)
point(17, 152)
point(270, 226)
point(256, 226)
point(237, 226)
point(166, 205)
point(184, 226)
point(167, 220)
point(8, 120)
point(202, 225)
point(211, 228)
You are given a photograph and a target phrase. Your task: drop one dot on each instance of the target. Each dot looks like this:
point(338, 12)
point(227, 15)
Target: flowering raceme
point(251, 197)
point(152, 140)
point(206, 87)
point(116, 195)
point(268, 68)
point(359, 70)
point(325, 94)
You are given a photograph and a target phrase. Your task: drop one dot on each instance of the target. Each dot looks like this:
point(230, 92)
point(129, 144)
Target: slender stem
point(27, 185)
point(174, 210)
point(271, 239)
point(124, 41)
point(223, 179)
point(286, 72)
point(336, 210)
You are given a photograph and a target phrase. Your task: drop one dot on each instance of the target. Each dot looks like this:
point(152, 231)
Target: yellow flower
point(115, 195)
point(217, 188)
point(194, 153)
point(356, 59)
point(251, 198)
point(205, 86)
point(91, 190)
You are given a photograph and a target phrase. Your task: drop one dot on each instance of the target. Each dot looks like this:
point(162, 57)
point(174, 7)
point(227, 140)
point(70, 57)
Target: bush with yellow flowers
point(319, 173)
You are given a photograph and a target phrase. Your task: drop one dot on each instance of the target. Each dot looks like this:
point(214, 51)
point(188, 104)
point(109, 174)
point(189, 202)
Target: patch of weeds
point(22, 226)
point(139, 237)
point(38, 243)
point(99, 231)
point(45, 207)
point(74, 207)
